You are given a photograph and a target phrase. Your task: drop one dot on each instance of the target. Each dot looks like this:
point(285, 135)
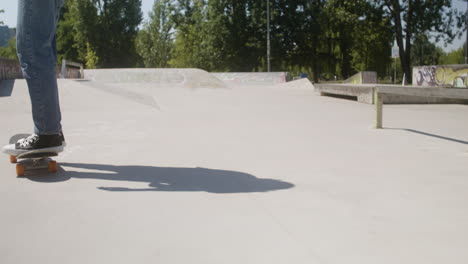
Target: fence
point(10, 69)
point(72, 73)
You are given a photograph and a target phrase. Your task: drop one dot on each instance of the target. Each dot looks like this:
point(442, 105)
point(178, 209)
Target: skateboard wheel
point(20, 170)
point(52, 166)
point(13, 159)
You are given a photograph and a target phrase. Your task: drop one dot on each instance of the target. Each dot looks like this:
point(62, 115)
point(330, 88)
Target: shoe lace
point(27, 141)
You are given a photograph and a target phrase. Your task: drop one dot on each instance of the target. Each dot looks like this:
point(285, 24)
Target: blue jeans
point(37, 53)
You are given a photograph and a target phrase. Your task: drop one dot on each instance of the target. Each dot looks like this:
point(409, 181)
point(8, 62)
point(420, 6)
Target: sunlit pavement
point(240, 174)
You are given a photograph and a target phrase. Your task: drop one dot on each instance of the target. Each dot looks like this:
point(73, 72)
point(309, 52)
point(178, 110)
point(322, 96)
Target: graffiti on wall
point(442, 75)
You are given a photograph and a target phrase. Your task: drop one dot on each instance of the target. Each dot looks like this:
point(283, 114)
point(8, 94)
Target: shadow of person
point(166, 179)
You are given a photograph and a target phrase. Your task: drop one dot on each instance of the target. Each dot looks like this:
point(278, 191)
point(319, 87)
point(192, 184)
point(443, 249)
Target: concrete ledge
point(73, 73)
point(365, 77)
point(364, 94)
point(428, 92)
point(303, 83)
point(437, 92)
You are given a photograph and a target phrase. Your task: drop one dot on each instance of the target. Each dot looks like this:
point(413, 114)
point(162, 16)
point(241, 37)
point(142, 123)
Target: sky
point(10, 7)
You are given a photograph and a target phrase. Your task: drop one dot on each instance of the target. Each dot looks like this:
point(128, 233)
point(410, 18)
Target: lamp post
point(268, 36)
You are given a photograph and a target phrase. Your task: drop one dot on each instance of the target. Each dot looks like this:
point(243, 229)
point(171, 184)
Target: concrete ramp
point(252, 78)
point(365, 77)
point(191, 78)
point(298, 84)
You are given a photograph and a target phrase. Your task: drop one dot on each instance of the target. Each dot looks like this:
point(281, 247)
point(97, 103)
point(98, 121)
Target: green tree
point(424, 52)
point(411, 18)
point(372, 39)
point(330, 38)
point(218, 40)
point(299, 39)
point(255, 55)
point(244, 34)
point(343, 17)
point(358, 36)
point(67, 47)
point(105, 31)
point(454, 57)
point(220, 35)
point(191, 48)
point(155, 42)
point(10, 50)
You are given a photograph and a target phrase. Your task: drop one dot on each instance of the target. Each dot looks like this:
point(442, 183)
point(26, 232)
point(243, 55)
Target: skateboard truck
point(34, 161)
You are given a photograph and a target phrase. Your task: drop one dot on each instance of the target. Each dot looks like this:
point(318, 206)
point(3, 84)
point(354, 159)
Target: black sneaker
point(36, 141)
point(62, 138)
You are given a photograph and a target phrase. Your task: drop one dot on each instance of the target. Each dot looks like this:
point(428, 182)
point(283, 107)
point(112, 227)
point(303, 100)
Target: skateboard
point(33, 160)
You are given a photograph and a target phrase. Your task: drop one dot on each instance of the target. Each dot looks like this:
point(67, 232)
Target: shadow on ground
point(6, 87)
point(165, 179)
point(431, 135)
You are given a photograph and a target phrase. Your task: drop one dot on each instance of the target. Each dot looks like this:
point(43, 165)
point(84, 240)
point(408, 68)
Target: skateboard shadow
point(164, 179)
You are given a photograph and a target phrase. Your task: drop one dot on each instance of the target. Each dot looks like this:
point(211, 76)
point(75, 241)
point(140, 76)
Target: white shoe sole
point(11, 150)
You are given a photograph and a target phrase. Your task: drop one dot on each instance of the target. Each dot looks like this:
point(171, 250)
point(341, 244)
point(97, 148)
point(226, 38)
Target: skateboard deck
point(31, 160)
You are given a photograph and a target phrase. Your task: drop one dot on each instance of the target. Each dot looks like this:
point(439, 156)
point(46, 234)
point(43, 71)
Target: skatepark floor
point(241, 174)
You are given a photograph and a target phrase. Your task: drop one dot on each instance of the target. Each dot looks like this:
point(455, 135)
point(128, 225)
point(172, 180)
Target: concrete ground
point(247, 174)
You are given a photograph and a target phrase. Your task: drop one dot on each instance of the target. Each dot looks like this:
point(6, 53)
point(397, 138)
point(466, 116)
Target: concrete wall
point(441, 75)
point(9, 69)
point(362, 78)
point(71, 73)
point(253, 78)
point(190, 78)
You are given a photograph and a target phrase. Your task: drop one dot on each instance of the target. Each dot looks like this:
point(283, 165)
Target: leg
point(37, 23)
